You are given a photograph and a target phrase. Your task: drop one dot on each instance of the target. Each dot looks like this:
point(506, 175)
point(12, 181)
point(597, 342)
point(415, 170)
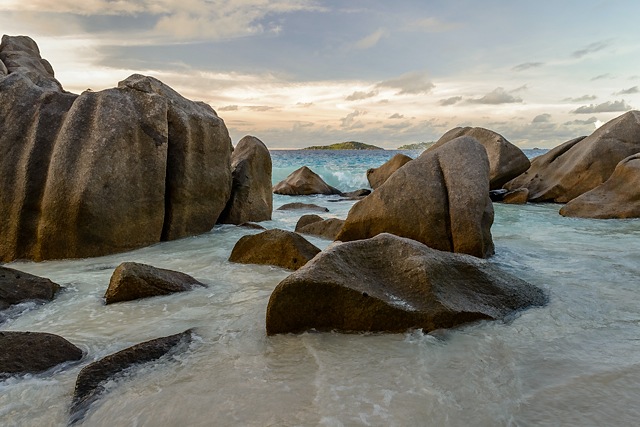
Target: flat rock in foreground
point(392, 284)
point(274, 247)
point(33, 352)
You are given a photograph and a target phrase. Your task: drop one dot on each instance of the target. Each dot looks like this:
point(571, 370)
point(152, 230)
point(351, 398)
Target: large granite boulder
point(506, 161)
point(325, 228)
point(440, 199)
point(251, 196)
point(281, 248)
point(302, 182)
point(131, 281)
point(17, 287)
point(582, 164)
point(102, 172)
point(377, 176)
point(392, 284)
point(617, 197)
point(92, 379)
point(33, 352)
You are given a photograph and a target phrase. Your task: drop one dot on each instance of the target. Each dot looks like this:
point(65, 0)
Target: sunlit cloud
point(372, 39)
point(496, 96)
point(605, 107)
point(410, 83)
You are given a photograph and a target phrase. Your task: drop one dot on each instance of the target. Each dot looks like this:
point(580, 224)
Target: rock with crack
point(303, 182)
point(33, 352)
point(392, 284)
point(274, 247)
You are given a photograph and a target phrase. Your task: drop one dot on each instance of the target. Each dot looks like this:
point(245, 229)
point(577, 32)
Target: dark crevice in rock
point(447, 205)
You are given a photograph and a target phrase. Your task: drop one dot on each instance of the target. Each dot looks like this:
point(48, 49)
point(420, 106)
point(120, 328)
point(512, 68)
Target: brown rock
point(251, 225)
point(17, 286)
point(377, 176)
point(21, 54)
point(440, 199)
point(392, 284)
point(302, 182)
point(306, 220)
point(581, 164)
point(274, 247)
point(131, 281)
point(302, 206)
point(326, 228)
point(251, 196)
point(506, 161)
point(617, 197)
point(33, 352)
point(516, 197)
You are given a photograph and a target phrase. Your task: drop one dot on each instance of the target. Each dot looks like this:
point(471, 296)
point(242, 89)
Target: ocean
point(574, 362)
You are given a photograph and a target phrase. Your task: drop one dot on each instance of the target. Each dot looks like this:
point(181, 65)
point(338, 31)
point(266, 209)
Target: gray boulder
point(33, 352)
point(393, 284)
point(274, 247)
point(251, 196)
point(440, 199)
point(17, 287)
point(582, 164)
point(378, 176)
point(131, 281)
point(302, 182)
point(113, 170)
point(506, 161)
point(325, 228)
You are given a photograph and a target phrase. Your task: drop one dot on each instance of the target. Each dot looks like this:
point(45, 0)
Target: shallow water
point(573, 362)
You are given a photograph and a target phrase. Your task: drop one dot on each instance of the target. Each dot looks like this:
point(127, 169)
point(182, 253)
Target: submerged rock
point(516, 197)
point(302, 182)
point(306, 220)
point(440, 199)
point(302, 206)
point(582, 164)
point(617, 197)
point(131, 281)
point(17, 287)
point(392, 284)
point(92, 378)
point(506, 161)
point(274, 247)
point(251, 196)
point(33, 352)
point(325, 228)
point(102, 172)
point(378, 176)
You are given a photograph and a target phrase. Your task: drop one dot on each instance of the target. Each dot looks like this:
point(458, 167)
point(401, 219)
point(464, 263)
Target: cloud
point(450, 101)
point(542, 118)
point(410, 83)
point(588, 121)
point(260, 108)
point(497, 96)
point(349, 121)
point(629, 91)
point(372, 39)
point(582, 98)
point(304, 104)
point(357, 96)
point(396, 116)
point(591, 48)
point(228, 108)
point(601, 76)
point(527, 65)
point(433, 25)
point(605, 107)
point(519, 89)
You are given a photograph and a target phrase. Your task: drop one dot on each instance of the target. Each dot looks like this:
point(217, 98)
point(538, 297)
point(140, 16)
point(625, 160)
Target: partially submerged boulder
point(303, 182)
point(92, 378)
point(440, 199)
point(393, 284)
point(251, 196)
point(325, 228)
point(33, 352)
point(131, 281)
point(377, 176)
point(617, 197)
point(102, 172)
point(274, 247)
point(17, 287)
point(306, 220)
point(506, 161)
point(581, 164)
point(302, 206)
point(519, 196)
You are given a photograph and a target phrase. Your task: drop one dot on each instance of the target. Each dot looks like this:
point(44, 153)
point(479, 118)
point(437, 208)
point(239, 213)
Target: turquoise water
point(575, 362)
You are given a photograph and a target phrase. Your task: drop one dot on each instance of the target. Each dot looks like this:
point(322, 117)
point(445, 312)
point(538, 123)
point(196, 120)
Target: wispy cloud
point(542, 118)
point(582, 98)
point(357, 95)
point(527, 65)
point(260, 107)
point(410, 83)
point(450, 101)
point(433, 25)
point(591, 48)
point(496, 96)
point(372, 39)
point(588, 121)
point(228, 108)
point(396, 116)
point(629, 91)
point(605, 107)
point(601, 76)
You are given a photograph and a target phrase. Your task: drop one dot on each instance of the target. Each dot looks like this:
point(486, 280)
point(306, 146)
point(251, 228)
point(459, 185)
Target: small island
point(349, 145)
point(416, 146)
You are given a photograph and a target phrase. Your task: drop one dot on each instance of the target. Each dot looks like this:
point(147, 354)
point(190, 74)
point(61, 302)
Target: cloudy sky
point(306, 72)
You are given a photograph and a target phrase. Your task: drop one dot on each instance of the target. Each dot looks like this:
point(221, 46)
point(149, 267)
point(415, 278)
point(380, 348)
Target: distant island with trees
point(349, 145)
point(416, 146)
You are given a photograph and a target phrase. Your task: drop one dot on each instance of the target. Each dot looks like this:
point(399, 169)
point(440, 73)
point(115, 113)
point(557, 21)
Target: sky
point(296, 73)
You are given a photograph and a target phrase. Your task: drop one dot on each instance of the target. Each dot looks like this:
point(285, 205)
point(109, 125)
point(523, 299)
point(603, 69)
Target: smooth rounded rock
point(274, 247)
point(33, 352)
point(303, 182)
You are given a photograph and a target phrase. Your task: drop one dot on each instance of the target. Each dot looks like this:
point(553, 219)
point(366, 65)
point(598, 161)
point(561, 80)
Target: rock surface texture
point(302, 182)
point(131, 281)
point(17, 286)
point(582, 164)
point(377, 176)
point(33, 352)
point(617, 197)
point(392, 284)
point(251, 196)
point(102, 172)
point(274, 247)
point(506, 161)
point(440, 199)
point(518, 196)
point(325, 228)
